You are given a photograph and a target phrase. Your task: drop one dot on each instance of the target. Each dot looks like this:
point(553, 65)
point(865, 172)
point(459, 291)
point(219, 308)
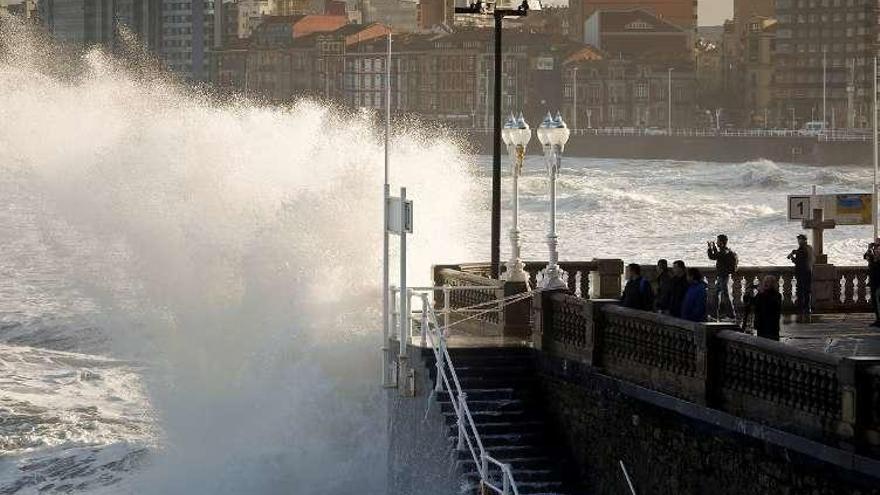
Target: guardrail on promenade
point(820, 396)
point(836, 289)
point(828, 136)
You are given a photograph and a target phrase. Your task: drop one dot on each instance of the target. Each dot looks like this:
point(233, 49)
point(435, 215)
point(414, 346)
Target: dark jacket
point(803, 260)
point(694, 306)
point(873, 270)
point(664, 291)
point(638, 294)
point(768, 310)
point(726, 261)
point(677, 293)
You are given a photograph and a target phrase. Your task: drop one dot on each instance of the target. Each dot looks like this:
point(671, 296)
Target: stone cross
point(817, 224)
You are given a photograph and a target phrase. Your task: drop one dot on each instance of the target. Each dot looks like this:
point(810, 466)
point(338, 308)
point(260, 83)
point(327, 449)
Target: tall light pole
point(574, 113)
point(498, 14)
point(793, 119)
point(553, 134)
point(876, 218)
point(516, 135)
point(669, 101)
point(824, 87)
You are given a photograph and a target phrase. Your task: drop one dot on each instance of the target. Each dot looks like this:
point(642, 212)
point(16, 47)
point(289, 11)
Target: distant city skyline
point(711, 12)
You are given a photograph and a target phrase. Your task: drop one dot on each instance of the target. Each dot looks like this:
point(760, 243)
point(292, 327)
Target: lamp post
point(553, 134)
point(516, 135)
point(669, 98)
point(479, 7)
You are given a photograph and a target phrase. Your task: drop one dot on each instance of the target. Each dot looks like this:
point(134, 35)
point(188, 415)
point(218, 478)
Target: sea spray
point(235, 248)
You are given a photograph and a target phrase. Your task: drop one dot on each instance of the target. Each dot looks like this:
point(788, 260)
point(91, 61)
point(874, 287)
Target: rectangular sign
point(798, 207)
point(843, 209)
point(392, 209)
point(852, 209)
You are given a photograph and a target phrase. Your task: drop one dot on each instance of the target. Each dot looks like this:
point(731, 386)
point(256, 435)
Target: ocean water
point(190, 296)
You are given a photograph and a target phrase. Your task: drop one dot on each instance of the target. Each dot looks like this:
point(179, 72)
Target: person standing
point(803, 259)
point(664, 287)
point(694, 306)
point(726, 262)
point(872, 256)
point(638, 293)
point(768, 309)
point(679, 288)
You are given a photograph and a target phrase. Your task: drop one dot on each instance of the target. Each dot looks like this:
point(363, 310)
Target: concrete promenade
point(838, 334)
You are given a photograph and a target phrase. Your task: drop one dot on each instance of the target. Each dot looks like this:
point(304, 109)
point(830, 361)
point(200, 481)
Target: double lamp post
point(553, 134)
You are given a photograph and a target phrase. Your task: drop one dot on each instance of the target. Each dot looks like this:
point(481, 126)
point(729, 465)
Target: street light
point(553, 134)
point(516, 135)
point(498, 11)
point(669, 98)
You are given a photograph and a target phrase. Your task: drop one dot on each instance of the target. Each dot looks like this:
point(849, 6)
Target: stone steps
point(499, 383)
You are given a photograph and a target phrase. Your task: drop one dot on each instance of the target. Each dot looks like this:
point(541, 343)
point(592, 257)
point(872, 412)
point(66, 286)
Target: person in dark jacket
point(679, 287)
point(803, 259)
point(726, 262)
point(638, 293)
point(872, 256)
point(768, 309)
point(664, 287)
point(694, 306)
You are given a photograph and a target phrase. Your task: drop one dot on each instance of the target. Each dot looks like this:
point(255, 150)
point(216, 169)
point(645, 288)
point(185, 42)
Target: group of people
point(682, 291)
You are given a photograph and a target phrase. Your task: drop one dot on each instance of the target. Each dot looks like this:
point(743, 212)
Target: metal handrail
point(448, 378)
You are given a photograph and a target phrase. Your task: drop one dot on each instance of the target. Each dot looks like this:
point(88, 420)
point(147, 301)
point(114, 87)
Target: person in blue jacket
point(694, 306)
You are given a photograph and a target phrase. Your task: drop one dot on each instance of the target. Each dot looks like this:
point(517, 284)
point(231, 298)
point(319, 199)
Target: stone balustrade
point(831, 399)
point(472, 299)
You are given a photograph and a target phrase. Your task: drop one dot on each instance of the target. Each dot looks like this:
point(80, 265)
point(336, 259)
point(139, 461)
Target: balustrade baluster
point(849, 288)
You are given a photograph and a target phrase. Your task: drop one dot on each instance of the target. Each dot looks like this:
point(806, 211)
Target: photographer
point(872, 256)
point(803, 259)
point(726, 262)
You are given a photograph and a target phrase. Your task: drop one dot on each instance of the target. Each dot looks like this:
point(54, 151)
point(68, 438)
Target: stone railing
point(789, 387)
point(587, 279)
point(478, 303)
point(828, 398)
point(835, 288)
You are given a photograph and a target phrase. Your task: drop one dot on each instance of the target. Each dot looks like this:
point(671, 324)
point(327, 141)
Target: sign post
point(399, 221)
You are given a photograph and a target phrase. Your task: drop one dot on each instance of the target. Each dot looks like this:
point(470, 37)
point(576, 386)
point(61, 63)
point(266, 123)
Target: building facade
point(681, 13)
point(636, 33)
point(830, 43)
point(401, 15)
point(600, 91)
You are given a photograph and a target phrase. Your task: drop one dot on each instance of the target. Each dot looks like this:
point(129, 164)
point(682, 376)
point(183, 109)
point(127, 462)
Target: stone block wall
point(601, 421)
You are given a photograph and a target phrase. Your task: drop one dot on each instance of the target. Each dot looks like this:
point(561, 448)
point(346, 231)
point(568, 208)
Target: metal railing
point(829, 135)
point(494, 305)
point(447, 379)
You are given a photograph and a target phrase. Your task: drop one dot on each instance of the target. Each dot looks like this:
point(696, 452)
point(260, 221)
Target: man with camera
point(872, 256)
point(726, 262)
point(803, 259)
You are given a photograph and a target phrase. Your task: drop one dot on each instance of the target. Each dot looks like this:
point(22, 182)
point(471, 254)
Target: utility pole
point(574, 117)
point(669, 101)
point(824, 86)
point(498, 15)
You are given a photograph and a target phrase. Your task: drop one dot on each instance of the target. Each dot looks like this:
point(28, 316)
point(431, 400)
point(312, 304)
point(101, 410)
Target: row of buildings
point(601, 62)
point(621, 79)
point(777, 63)
point(786, 62)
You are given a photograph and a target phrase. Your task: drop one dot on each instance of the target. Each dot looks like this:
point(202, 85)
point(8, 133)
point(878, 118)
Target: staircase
point(499, 383)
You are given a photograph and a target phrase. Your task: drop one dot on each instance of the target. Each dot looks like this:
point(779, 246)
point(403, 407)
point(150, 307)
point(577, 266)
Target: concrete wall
point(420, 459)
point(802, 150)
point(674, 447)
